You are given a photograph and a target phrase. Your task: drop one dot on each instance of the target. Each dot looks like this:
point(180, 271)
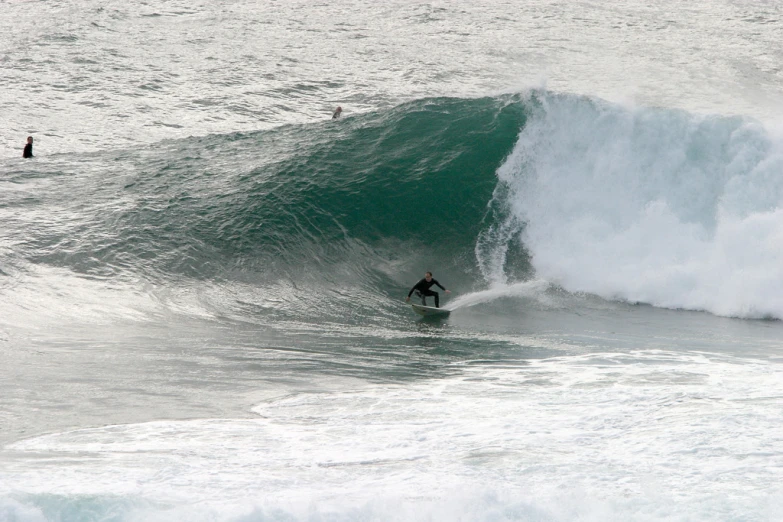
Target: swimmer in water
point(28, 149)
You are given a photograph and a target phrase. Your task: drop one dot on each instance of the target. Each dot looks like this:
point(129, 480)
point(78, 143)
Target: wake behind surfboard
point(430, 311)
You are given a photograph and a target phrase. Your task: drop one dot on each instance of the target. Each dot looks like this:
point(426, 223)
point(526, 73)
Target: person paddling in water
point(422, 289)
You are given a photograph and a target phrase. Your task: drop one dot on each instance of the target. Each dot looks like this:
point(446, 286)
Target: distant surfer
point(28, 149)
point(337, 112)
point(422, 289)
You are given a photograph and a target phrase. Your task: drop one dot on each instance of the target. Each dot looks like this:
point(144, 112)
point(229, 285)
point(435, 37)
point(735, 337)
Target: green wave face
point(368, 202)
point(420, 175)
point(413, 180)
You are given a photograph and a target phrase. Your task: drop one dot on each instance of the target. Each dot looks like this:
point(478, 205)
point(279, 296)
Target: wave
point(638, 204)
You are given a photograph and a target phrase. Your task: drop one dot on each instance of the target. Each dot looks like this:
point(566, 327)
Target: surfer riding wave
point(422, 289)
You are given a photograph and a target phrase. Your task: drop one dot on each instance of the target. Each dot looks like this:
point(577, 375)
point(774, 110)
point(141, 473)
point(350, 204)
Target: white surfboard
point(429, 311)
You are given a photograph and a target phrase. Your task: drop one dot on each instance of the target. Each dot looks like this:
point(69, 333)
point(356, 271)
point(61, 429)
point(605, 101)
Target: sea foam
point(645, 205)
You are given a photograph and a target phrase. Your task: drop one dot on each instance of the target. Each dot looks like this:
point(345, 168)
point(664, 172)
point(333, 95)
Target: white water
point(647, 435)
point(647, 205)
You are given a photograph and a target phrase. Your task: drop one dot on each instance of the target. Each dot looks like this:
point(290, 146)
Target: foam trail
point(523, 289)
point(646, 205)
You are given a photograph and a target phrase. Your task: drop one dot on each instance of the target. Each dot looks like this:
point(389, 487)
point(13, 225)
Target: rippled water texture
point(91, 75)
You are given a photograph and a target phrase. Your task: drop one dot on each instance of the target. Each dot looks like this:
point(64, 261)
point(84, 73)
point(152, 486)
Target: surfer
point(422, 289)
point(337, 112)
point(28, 149)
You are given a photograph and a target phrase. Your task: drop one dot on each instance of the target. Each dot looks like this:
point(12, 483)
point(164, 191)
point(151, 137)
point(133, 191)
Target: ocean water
point(202, 276)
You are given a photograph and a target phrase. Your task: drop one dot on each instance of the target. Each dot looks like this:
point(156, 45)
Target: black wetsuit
point(422, 289)
point(28, 151)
